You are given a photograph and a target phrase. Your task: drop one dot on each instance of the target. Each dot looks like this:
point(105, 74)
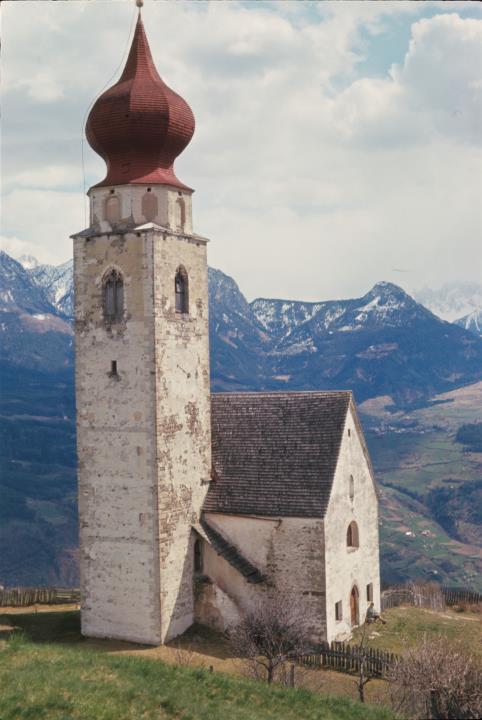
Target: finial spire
point(139, 125)
point(139, 4)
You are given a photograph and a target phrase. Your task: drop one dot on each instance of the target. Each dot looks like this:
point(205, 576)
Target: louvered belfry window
point(113, 297)
point(181, 291)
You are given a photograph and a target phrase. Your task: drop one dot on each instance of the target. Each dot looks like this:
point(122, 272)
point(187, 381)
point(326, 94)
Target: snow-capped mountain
point(33, 332)
point(28, 261)
point(472, 322)
point(17, 292)
point(452, 301)
point(56, 280)
point(384, 343)
point(291, 322)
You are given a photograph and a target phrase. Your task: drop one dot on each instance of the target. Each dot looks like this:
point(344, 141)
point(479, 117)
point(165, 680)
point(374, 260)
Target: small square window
point(370, 592)
point(338, 611)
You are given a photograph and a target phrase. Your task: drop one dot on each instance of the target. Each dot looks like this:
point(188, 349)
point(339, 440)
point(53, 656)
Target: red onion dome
point(139, 126)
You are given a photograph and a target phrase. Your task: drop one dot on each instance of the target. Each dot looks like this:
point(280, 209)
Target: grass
point(49, 672)
point(198, 647)
point(406, 626)
point(55, 682)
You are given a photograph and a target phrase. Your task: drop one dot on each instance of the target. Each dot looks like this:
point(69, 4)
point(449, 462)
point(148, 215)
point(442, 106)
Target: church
point(194, 507)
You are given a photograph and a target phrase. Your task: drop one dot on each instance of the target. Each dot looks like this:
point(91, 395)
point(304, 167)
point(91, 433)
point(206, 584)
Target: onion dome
point(139, 126)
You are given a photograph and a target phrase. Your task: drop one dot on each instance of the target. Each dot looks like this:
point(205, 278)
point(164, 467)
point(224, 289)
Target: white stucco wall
point(346, 567)
point(183, 425)
point(117, 484)
point(144, 437)
point(288, 550)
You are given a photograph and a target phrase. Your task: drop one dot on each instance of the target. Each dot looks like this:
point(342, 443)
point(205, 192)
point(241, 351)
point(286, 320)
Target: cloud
point(436, 90)
point(314, 179)
point(41, 221)
point(442, 72)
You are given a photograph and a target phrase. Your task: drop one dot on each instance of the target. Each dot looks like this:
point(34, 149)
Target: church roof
point(275, 454)
point(139, 125)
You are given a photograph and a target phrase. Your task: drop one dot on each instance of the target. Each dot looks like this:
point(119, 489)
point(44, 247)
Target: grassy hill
point(54, 682)
point(49, 672)
point(406, 626)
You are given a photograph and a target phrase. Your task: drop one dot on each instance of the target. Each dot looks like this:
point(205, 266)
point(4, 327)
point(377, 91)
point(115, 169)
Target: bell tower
point(142, 364)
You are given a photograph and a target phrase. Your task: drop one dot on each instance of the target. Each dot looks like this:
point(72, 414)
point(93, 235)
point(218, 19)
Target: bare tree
point(268, 636)
point(186, 656)
point(437, 680)
point(363, 678)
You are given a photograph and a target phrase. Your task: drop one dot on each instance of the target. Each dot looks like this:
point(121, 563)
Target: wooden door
point(354, 605)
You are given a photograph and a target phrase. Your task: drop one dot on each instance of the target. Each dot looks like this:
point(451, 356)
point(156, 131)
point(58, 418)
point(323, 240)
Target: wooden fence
point(454, 596)
point(22, 597)
point(348, 658)
point(427, 595)
point(423, 595)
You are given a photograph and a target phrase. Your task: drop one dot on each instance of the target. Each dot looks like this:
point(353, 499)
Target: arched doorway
point(354, 606)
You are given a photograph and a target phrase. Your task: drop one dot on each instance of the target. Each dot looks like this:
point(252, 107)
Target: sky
point(337, 144)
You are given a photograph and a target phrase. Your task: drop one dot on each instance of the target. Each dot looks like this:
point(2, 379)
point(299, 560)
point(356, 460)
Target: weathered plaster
point(139, 204)
point(288, 550)
point(344, 566)
point(143, 437)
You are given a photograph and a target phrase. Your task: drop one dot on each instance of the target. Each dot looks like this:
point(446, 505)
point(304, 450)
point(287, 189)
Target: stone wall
point(346, 567)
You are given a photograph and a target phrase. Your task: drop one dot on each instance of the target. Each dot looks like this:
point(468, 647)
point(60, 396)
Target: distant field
point(436, 556)
point(417, 453)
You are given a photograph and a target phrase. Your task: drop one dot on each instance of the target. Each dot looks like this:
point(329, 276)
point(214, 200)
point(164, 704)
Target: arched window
point(113, 290)
point(198, 557)
point(150, 205)
point(181, 290)
point(351, 485)
point(354, 606)
point(112, 209)
point(180, 213)
point(352, 535)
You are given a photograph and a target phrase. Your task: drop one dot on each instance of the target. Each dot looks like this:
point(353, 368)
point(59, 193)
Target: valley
point(419, 462)
point(418, 379)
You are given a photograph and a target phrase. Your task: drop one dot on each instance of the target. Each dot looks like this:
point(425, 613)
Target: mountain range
point(382, 344)
point(452, 301)
point(472, 322)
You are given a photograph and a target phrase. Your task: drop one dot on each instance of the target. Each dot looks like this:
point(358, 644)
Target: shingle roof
point(139, 126)
point(275, 453)
point(231, 554)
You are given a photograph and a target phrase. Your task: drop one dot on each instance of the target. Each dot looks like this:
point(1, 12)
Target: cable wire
point(84, 120)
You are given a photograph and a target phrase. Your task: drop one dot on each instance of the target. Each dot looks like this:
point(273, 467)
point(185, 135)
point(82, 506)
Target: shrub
point(437, 680)
point(268, 636)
